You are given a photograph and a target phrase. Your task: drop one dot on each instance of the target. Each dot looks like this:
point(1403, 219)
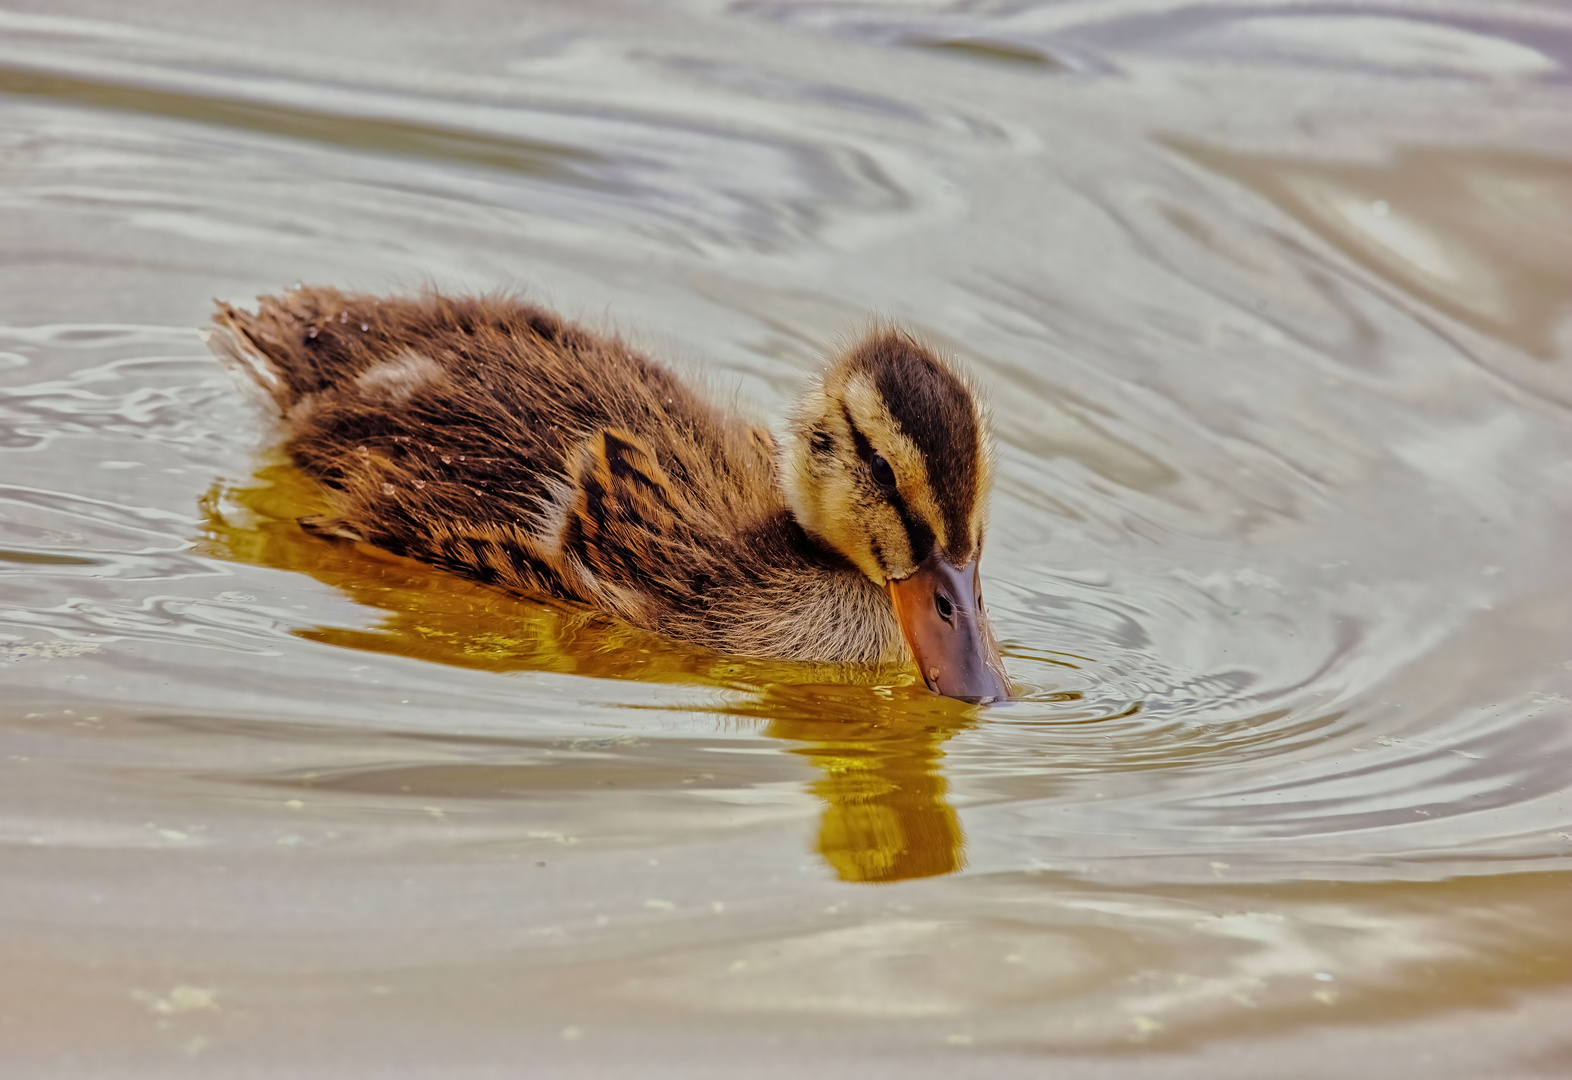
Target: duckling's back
point(493, 438)
point(509, 388)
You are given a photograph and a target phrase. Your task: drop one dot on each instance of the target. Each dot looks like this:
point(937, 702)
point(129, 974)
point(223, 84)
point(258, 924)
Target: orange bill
point(941, 614)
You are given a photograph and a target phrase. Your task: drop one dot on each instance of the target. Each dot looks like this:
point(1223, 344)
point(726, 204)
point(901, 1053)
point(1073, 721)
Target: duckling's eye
point(883, 475)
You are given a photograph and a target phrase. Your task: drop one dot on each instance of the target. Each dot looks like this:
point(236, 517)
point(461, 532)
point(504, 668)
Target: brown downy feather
point(493, 439)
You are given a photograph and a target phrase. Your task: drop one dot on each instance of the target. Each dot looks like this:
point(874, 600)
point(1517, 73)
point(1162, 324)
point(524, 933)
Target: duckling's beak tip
point(941, 615)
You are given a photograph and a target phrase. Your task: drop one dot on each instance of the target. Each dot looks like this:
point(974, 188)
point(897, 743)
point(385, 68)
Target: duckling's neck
point(804, 601)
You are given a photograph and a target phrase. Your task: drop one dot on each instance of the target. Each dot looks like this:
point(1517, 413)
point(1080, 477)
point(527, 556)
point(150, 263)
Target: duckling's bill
point(940, 611)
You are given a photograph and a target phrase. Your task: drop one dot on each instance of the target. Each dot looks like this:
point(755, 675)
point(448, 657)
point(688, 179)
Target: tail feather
point(256, 375)
point(270, 348)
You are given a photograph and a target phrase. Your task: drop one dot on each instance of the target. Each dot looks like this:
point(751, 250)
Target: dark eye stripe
point(932, 408)
point(918, 534)
point(859, 440)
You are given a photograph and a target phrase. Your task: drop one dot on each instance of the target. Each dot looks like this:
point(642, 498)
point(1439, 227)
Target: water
point(1271, 302)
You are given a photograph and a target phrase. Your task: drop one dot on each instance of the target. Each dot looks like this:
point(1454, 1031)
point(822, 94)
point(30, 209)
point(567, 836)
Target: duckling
point(493, 439)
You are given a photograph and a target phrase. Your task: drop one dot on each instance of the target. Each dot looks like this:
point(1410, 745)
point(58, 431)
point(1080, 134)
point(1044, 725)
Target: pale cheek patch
point(397, 380)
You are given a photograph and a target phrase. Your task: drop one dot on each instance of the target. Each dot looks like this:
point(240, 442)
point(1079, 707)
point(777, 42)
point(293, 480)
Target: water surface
point(1272, 305)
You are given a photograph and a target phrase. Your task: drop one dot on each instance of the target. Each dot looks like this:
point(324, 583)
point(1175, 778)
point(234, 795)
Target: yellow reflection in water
point(887, 818)
point(877, 747)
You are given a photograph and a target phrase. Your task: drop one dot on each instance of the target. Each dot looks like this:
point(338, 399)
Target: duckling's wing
point(628, 521)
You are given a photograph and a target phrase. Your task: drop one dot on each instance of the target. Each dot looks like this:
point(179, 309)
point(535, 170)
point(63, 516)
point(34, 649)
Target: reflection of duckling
point(887, 815)
point(492, 439)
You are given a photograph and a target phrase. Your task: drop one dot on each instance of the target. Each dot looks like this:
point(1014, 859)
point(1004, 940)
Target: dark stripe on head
point(917, 531)
point(859, 440)
point(933, 409)
point(918, 534)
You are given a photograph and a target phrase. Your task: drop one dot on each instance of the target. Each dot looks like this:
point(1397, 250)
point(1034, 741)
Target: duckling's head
point(888, 461)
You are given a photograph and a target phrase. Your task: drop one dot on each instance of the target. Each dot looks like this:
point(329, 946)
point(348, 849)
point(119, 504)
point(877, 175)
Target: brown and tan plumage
point(493, 439)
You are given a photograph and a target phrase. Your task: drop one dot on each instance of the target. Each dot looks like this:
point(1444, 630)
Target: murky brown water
point(1274, 303)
